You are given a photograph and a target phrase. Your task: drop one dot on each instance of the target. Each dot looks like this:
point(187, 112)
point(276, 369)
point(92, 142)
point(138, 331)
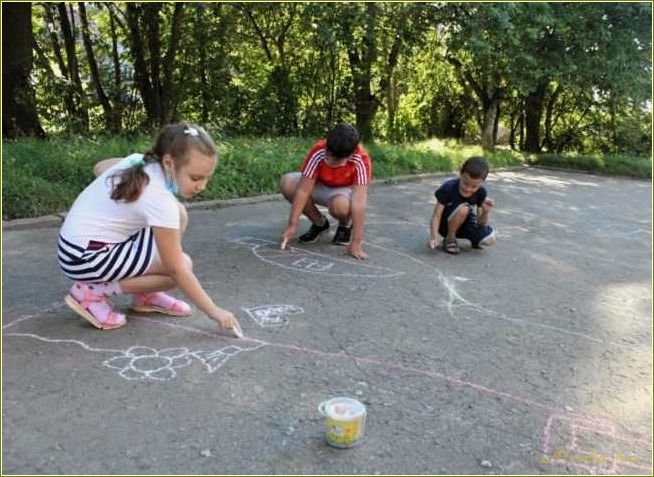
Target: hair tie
point(191, 132)
point(136, 161)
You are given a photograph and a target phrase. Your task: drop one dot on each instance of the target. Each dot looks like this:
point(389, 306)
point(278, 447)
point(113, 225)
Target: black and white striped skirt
point(107, 262)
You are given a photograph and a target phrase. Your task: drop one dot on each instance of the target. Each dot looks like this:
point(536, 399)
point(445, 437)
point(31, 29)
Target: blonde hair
point(174, 139)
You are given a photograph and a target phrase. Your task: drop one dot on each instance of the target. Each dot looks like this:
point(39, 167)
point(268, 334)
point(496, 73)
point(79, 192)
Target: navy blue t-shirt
point(448, 195)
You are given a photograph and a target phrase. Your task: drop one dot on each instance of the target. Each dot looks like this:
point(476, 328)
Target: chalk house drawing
point(594, 445)
point(311, 262)
point(270, 316)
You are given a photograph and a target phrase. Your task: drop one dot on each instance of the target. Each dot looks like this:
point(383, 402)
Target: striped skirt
point(107, 262)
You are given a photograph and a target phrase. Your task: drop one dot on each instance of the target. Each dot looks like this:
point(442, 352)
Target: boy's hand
point(286, 235)
point(356, 251)
point(488, 204)
point(433, 243)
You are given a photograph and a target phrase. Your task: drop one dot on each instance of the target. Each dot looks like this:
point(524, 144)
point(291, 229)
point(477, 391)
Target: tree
point(112, 120)
point(153, 73)
point(477, 39)
point(19, 116)
point(271, 25)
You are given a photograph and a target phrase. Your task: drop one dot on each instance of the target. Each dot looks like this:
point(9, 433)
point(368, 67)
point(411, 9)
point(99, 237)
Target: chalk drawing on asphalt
point(272, 316)
point(146, 363)
point(593, 445)
point(302, 260)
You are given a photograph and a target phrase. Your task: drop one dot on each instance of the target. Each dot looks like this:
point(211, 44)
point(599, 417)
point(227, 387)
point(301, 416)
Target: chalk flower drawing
point(141, 362)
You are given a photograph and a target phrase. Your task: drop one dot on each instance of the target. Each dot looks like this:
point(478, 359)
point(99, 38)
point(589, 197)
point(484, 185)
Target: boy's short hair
point(342, 140)
point(476, 167)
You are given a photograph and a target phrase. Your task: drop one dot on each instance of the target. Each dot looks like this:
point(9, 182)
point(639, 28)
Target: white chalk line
point(268, 316)
point(455, 296)
point(212, 360)
point(263, 248)
point(58, 340)
point(48, 309)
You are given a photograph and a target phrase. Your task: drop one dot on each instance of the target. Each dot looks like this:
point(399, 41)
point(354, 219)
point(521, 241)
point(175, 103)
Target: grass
point(43, 177)
point(610, 164)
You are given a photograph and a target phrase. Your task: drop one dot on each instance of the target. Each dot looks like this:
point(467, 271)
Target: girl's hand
point(433, 243)
point(228, 322)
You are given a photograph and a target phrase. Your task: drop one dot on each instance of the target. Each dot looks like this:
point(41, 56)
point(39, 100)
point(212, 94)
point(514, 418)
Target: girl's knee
point(188, 260)
point(183, 218)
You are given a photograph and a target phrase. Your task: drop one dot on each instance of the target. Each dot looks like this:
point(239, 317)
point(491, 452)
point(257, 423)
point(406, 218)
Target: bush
point(615, 164)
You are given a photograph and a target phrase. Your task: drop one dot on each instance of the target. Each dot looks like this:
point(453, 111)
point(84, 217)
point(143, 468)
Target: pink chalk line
point(597, 426)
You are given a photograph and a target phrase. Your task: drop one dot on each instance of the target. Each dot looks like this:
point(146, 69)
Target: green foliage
point(613, 164)
point(42, 177)
point(319, 60)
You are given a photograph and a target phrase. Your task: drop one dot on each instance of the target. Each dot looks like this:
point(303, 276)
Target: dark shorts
point(469, 229)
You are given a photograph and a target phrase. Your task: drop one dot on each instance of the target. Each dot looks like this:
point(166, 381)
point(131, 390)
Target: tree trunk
point(489, 95)
point(73, 69)
point(490, 113)
point(273, 44)
point(95, 74)
point(389, 87)
point(521, 143)
point(117, 87)
point(19, 116)
point(533, 114)
point(201, 41)
point(137, 51)
point(168, 88)
point(549, 117)
point(361, 65)
point(50, 25)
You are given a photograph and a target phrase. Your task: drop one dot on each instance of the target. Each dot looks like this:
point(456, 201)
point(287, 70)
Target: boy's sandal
point(110, 321)
point(451, 246)
point(160, 302)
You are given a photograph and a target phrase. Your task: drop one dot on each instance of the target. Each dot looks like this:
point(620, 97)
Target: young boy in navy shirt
point(462, 209)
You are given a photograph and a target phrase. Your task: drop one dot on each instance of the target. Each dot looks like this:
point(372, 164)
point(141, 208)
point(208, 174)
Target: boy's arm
point(299, 201)
point(486, 207)
point(435, 223)
point(358, 213)
point(102, 166)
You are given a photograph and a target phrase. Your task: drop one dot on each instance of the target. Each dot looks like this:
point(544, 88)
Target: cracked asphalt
point(531, 357)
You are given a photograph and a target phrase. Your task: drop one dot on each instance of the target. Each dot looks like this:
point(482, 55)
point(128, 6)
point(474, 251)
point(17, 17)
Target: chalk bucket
point(345, 421)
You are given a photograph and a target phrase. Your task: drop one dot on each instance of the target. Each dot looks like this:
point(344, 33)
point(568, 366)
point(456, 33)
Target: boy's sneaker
point(342, 235)
point(314, 233)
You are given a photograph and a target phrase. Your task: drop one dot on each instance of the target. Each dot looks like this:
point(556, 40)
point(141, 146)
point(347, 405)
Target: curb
point(55, 220)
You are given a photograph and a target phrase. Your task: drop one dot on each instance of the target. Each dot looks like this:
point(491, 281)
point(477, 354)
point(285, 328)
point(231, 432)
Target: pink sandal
point(159, 302)
point(93, 307)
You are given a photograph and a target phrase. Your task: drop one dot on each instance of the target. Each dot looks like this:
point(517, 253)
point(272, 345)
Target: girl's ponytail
point(128, 184)
point(174, 139)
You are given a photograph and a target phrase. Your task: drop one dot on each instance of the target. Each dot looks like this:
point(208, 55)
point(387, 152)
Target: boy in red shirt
point(335, 173)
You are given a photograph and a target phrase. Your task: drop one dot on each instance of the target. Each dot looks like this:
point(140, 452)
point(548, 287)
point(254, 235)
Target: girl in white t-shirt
point(123, 232)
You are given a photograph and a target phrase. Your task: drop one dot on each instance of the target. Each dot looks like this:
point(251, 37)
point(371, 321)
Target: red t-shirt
point(357, 170)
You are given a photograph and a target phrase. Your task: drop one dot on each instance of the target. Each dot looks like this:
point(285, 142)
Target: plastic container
point(345, 421)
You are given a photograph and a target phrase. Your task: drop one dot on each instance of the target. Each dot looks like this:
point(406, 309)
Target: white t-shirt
point(96, 216)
